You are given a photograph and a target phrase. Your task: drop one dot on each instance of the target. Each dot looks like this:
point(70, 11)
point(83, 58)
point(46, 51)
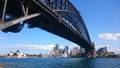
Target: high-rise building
point(56, 49)
point(81, 50)
point(66, 49)
point(102, 51)
point(56, 46)
point(74, 51)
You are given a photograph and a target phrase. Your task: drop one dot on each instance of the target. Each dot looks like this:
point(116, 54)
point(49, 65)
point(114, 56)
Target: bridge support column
point(90, 53)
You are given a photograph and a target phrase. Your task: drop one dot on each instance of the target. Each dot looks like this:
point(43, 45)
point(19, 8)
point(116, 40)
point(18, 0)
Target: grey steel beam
point(13, 22)
point(4, 10)
point(23, 7)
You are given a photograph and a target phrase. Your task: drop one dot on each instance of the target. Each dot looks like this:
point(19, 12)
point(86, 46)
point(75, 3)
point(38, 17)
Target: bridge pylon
point(90, 52)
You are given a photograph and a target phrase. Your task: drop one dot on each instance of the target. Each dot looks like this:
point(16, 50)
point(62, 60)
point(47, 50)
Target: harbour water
point(59, 63)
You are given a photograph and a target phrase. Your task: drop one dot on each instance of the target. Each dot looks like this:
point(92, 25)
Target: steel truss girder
point(75, 21)
point(66, 6)
point(62, 9)
point(6, 24)
point(18, 20)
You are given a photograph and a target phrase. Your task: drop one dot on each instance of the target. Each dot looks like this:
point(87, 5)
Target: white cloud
point(40, 47)
point(110, 48)
point(109, 36)
point(30, 47)
point(117, 34)
point(99, 46)
point(1, 38)
point(74, 45)
point(116, 50)
point(27, 48)
point(35, 47)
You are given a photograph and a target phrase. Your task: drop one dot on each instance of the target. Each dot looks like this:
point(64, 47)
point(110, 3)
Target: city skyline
point(51, 50)
point(102, 19)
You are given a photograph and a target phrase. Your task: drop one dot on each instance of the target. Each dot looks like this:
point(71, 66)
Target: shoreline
point(1, 66)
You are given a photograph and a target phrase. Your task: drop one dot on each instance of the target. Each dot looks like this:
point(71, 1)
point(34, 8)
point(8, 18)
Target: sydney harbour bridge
point(59, 17)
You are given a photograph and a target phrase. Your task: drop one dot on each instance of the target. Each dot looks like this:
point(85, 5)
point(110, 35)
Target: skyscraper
point(56, 50)
point(66, 49)
point(74, 51)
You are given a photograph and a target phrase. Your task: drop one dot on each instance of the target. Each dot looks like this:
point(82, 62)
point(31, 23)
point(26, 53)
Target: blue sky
point(102, 18)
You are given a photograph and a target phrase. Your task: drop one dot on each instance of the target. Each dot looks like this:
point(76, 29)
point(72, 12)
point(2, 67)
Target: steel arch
point(66, 10)
point(62, 8)
point(76, 22)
